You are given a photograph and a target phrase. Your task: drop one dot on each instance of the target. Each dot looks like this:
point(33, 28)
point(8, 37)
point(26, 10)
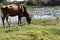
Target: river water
point(38, 13)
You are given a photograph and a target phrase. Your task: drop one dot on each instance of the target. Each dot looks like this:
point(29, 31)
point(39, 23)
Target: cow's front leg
point(19, 20)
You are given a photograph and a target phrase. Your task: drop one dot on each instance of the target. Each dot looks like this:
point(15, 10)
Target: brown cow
point(13, 10)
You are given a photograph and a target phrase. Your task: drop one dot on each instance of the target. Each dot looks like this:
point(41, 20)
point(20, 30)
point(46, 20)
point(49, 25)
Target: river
point(38, 13)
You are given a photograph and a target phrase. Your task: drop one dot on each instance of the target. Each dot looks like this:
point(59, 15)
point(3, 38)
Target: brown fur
point(13, 10)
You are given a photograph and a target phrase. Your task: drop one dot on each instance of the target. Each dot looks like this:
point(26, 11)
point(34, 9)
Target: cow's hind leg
point(3, 21)
point(7, 21)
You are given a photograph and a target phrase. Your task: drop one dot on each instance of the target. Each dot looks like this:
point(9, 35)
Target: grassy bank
point(27, 6)
point(37, 30)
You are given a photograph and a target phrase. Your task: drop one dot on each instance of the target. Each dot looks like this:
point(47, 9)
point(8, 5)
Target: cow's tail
point(1, 13)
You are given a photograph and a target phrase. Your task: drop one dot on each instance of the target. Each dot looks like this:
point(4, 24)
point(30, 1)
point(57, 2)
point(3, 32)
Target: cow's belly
point(13, 15)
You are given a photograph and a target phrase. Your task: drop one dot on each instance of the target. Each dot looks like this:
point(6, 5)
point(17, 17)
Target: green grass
point(37, 30)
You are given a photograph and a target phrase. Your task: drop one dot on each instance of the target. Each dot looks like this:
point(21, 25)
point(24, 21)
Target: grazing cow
point(13, 10)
